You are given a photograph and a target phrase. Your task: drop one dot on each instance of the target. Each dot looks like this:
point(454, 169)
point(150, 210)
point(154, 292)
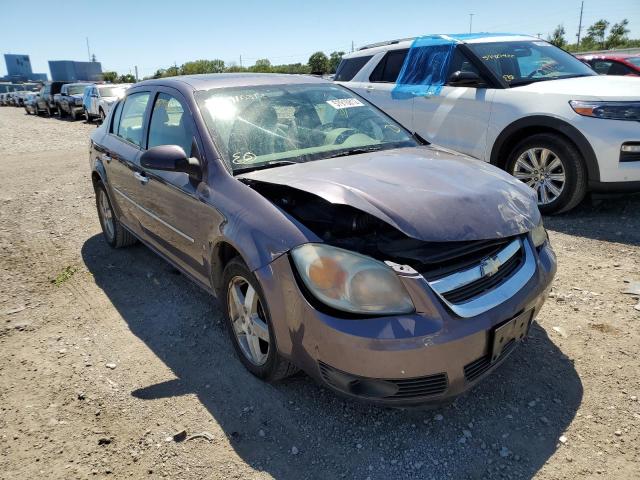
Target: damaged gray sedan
point(336, 241)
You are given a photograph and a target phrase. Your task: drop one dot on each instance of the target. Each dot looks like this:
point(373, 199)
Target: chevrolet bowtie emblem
point(490, 266)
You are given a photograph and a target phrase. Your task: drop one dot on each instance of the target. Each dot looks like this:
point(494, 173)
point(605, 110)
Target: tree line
point(602, 35)
point(319, 63)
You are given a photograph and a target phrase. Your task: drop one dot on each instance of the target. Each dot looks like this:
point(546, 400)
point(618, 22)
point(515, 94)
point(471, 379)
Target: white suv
point(512, 100)
point(98, 99)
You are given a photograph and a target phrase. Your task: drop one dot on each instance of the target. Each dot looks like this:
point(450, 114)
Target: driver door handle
point(369, 88)
point(141, 177)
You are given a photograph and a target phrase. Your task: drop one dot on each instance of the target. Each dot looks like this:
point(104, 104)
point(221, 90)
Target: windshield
point(634, 60)
point(112, 91)
point(76, 89)
point(519, 63)
point(254, 127)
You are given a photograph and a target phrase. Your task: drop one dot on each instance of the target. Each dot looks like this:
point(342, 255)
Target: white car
point(98, 99)
point(513, 100)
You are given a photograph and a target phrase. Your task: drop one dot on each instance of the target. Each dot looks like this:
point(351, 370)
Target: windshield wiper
point(355, 151)
point(545, 79)
point(262, 166)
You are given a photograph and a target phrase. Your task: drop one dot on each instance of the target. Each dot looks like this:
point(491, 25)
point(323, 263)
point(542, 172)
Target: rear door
point(122, 149)
point(378, 87)
point(457, 117)
point(176, 220)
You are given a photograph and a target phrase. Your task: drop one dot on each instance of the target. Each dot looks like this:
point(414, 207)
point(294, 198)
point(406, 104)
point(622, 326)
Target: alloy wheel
point(106, 214)
point(542, 170)
point(248, 320)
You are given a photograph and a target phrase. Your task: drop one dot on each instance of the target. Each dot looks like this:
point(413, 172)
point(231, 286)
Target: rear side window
point(132, 117)
point(389, 67)
point(349, 67)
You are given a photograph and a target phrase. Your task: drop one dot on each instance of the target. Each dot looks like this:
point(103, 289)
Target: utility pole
point(352, 49)
point(240, 61)
point(136, 67)
point(88, 50)
point(539, 35)
point(580, 23)
point(471, 21)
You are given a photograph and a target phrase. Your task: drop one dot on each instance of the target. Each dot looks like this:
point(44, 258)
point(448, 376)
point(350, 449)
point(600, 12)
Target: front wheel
point(102, 116)
point(249, 324)
point(553, 167)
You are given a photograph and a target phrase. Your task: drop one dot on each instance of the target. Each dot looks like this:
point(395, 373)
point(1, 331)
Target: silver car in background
point(98, 99)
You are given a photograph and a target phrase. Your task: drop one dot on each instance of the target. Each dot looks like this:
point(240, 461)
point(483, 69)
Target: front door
point(176, 220)
point(456, 117)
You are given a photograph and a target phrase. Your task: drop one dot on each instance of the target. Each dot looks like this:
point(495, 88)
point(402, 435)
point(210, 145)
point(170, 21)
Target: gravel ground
point(106, 355)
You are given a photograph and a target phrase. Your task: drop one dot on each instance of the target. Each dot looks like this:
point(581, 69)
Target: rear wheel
point(87, 117)
point(249, 324)
point(48, 109)
point(60, 111)
point(553, 167)
point(114, 233)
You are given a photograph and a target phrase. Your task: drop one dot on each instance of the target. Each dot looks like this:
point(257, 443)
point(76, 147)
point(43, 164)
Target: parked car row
point(67, 99)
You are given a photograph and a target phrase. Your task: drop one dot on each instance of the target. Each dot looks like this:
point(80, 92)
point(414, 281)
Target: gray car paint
point(424, 192)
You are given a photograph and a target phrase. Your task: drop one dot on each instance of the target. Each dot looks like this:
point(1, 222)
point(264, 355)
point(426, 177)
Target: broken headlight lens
point(349, 281)
point(539, 235)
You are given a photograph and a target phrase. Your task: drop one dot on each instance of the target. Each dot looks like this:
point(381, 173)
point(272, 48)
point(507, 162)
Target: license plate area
point(515, 329)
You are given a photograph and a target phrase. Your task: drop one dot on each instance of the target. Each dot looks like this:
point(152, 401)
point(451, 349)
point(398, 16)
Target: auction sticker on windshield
point(345, 103)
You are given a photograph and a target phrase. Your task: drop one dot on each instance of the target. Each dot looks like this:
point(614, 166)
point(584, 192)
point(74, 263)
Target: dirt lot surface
point(105, 355)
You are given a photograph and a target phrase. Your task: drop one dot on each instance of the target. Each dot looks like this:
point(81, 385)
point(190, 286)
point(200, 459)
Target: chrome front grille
point(478, 288)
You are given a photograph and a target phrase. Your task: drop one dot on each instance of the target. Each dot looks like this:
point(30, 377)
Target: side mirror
point(94, 95)
point(465, 79)
point(171, 158)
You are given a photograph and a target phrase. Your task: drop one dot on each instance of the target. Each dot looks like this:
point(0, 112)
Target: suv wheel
point(114, 233)
point(553, 167)
point(249, 324)
point(87, 117)
point(60, 112)
point(48, 109)
point(102, 116)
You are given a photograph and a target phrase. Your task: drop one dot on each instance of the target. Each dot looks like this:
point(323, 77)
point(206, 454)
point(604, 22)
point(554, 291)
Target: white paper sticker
point(345, 103)
point(542, 44)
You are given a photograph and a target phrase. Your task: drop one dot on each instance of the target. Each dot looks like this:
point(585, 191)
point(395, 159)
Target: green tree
point(318, 63)
point(127, 78)
point(202, 66)
point(557, 37)
point(618, 34)
point(110, 76)
point(171, 71)
point(334, 60)
point(596, 32)
point(262, 65)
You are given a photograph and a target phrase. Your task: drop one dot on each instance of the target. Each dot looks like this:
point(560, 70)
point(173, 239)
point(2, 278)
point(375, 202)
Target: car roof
point(374, 48)
point(608, 56)
point(222, 80)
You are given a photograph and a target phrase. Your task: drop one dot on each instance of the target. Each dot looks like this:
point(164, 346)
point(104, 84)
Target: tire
point(102, 116)
point(114, 233)
point(72, 114)
point(48, 109)
point(60, 112)
point(272, 367)
point(553, 166)
point(87, 117)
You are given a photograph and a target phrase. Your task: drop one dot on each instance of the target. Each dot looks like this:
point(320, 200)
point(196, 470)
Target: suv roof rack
point(388, 42)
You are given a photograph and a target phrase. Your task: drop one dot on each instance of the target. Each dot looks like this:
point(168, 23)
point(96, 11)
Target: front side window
point(254, 127)
point(523, 62)
point(75, 89)
point(170, 124)
point(131, 118)
point(349, 67)
point(601, 66)
point(111, 91)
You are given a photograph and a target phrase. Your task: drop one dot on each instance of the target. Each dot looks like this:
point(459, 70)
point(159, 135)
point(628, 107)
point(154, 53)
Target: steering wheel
point(327, 127)
point(538, 70)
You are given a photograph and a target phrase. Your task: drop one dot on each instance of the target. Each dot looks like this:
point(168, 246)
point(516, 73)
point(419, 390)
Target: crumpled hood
point(427, 193)
point(596, 87)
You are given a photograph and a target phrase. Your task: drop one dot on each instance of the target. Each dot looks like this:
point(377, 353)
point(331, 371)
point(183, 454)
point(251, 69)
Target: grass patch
point(66, 273)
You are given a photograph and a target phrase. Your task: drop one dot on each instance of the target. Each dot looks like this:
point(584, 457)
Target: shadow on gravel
point(507, 427)
point(607, 218)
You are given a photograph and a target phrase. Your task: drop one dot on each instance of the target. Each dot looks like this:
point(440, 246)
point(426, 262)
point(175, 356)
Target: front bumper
point(431, 356)
point(606, 138)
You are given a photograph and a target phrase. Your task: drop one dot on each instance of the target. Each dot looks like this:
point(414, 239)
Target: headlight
point(78, 101)
point(610, 110)
point(349, 281)
point(539, 235)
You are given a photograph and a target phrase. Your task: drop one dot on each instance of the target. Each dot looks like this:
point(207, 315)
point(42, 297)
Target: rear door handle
point(141, 177)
